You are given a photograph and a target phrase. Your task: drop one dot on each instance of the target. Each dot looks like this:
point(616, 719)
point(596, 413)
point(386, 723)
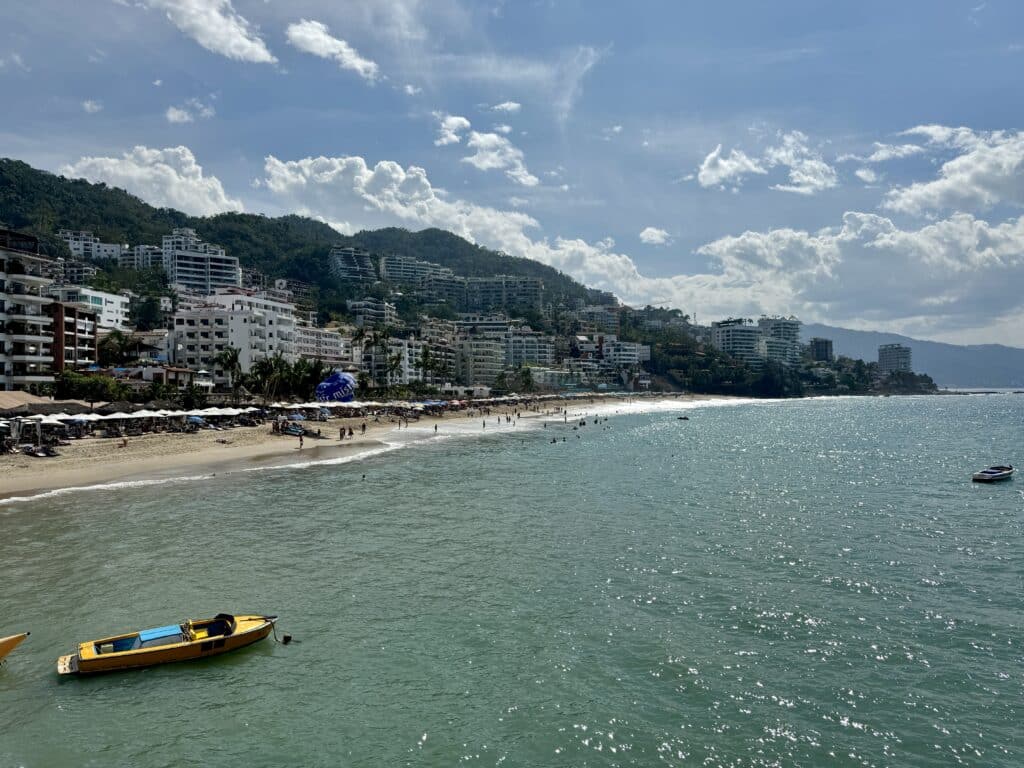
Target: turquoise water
point(798, 583)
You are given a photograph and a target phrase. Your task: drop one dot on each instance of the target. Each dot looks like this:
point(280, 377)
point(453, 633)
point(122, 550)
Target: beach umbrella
point(116, 415)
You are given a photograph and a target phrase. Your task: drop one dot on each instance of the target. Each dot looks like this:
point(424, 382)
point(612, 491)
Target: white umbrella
point(115, 416)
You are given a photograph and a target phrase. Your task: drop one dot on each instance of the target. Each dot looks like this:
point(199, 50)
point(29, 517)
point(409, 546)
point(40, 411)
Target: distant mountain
point(950, 365)
point(287, 246)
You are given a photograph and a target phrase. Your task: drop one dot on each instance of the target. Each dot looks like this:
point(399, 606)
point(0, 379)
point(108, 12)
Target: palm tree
point(117, 348)
point(272, 377)
point(228, 360)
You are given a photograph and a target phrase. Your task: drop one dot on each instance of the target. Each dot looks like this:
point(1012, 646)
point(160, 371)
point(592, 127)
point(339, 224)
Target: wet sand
point(98, 461)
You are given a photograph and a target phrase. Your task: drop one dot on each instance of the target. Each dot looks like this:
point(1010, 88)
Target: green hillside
point(288, 246)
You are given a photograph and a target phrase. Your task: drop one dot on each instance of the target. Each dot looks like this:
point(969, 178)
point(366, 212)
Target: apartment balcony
point(30, 337)
point(16, 292)
point(32, 378)
point(28, 314)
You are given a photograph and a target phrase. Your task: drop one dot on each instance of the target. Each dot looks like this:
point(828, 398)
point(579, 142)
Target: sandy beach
point(97, 461)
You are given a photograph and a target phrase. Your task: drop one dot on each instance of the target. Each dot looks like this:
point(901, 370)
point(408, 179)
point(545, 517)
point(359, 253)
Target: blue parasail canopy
point(338, 387)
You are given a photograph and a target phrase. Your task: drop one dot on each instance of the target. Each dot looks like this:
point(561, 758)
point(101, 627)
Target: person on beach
point(341, 433)
point(351, 433)
point(364, 427)
point(435, 429)
point(300, 442)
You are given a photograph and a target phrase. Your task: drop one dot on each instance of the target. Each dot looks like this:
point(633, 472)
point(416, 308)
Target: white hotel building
point(257, 326)
point(198, 266)
point(85, 245)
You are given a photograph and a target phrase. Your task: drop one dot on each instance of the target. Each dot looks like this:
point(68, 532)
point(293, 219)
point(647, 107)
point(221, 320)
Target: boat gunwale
point(186, 643)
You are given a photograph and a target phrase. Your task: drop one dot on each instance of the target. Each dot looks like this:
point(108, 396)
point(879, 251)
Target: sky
point(859, 164)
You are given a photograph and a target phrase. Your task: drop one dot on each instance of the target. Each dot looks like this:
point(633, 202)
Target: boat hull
point(85, 663)
point(8, 644)
point(991, 476)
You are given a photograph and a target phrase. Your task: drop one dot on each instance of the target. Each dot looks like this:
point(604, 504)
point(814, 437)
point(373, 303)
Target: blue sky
point(854, 163)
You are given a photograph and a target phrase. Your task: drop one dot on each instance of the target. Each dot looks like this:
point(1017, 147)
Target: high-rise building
point(141, 257)
point(780, 340)
point(74, 335)
point(353, 264)
point(738, 338)
point(894, 357)
point(409, 271)
point(255, 325)
point(195, 265)
point(525, 346)
point(480, 360)
point(821, 350)
point(373, 313)
point(326, 344)
point(26, 326)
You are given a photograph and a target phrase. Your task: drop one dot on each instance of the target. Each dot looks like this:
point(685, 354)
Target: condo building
point(738, 338)
point(85, 245)
point(256, 326)
point(406, 270)
point(195, 265)
point(26, 325)
point(894, 357)
point(349, 263)
point(373, 313)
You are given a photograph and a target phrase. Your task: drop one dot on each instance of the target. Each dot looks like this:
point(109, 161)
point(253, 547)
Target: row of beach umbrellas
point(60, 418)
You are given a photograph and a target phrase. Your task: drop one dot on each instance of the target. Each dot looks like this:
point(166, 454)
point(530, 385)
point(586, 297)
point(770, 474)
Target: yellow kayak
point(194, 639)
point(8, 644)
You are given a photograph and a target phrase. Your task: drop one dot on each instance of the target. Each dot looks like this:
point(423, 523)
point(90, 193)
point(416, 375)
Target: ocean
point(809, 582)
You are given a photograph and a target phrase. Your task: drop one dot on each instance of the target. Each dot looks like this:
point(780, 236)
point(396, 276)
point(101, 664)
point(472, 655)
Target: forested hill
point(288, 246)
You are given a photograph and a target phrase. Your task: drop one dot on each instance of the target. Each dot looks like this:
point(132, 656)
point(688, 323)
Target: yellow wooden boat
point(8, 644)
point(195, 639)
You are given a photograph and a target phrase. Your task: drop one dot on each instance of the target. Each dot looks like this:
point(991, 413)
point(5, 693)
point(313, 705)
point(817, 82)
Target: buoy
point(286, 639)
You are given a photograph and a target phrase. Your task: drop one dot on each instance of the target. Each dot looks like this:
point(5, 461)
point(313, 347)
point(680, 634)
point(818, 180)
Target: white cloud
point(716, 170)
point(654, 236)
point(92, 107)
point(158, 83)
point(494, 152)
point(988, 171)
point(509, 107)
point(503, 128)
point(866, 175)
point(168, 177)
point(450, 128)
point(411, 90)
point(616, 129)
point(13, 60)
point(967, 272)
point(558, 83)
point(883, 153)
point(177, 115)
point(190, 111)
point(216, 26)
point(315, 38)
point(808, 172)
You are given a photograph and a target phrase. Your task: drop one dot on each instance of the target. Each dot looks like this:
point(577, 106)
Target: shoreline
point(98, 462)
